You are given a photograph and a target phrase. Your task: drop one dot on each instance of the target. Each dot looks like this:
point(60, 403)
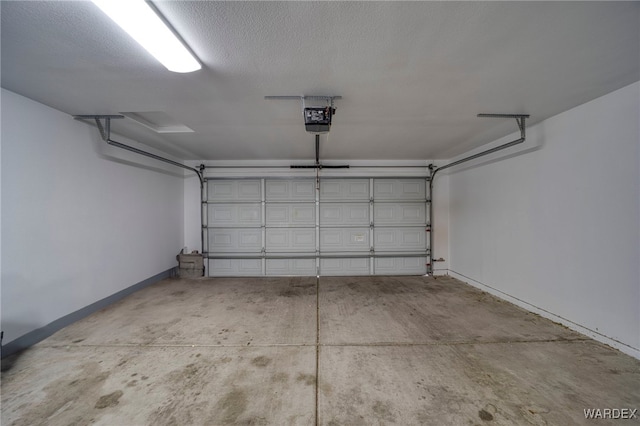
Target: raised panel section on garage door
point(305, 267)
point(399, 239)
point(344, 214)
point(399, 214)
point(291, 240)
point(399, 189)
point(344, 190)
point(344, 239)
point(290, 219)
point(234, 215)
point(235, 240)
point(344, 266)
point(235, 267)
point(288, 215)
point(234, 190)
point(234, 219)
point(290, 190)
point(400, 225)
point(400, 266)
point(345, 218)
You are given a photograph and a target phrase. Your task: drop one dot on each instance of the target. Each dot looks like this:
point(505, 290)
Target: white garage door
point(350, 226)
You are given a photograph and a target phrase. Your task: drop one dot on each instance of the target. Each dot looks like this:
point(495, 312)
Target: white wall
point(80, 220)
point(554, 225)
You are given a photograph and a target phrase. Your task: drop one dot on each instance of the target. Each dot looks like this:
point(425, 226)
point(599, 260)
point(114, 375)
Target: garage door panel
point(399, 189)
point(344, 214)
point(280, 217)
point(344, 239)
point(399, 213)
point(249, 214)
point(290, 190)
point(344, 266)
point(234, 190)
point(278, 214)
point(399, 239)
point(344, 189)
point(300, 214)
point(291, 240)
point(400, 266)
point(232, 240)
point(291, 267)
point(234, 267)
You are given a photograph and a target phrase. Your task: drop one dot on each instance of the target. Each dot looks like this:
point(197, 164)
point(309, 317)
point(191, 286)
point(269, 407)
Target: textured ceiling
point(412, 75)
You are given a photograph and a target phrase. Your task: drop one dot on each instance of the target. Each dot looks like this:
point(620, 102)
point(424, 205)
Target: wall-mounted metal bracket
point(520, 119)
point(105, 131)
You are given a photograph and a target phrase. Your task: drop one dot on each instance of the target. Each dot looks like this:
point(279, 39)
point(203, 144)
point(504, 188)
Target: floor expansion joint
point(317, 345)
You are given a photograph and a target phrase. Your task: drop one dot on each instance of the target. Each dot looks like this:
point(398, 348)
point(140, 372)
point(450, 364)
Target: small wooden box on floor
point(190, 265)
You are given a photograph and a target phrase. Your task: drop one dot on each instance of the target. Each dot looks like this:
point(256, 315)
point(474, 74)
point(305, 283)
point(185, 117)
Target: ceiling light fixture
point(142, 23)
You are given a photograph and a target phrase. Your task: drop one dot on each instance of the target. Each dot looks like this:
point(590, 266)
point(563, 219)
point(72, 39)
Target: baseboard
point(39, 334)
point(622, 347)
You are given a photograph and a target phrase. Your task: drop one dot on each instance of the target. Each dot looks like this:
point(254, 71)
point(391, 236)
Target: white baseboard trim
point(622, 347)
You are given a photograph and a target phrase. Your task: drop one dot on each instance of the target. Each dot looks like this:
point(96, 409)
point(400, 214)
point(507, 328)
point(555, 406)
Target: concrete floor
point(291, 351)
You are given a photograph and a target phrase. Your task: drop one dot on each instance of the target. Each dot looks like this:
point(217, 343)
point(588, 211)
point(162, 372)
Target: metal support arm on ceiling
point(520, 120)
point(105, 133)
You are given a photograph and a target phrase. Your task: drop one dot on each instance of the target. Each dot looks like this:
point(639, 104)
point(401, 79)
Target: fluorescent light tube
point(143, 24)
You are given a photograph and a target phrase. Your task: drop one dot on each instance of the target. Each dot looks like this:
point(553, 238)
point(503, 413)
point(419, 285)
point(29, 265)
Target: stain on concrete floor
point(110, 400)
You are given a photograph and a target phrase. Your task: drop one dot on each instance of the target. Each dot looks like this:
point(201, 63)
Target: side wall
point(81, 221)
point(554, 225)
